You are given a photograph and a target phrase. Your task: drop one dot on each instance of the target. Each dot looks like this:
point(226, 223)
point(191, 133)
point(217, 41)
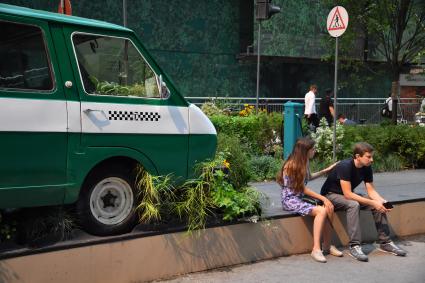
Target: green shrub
point(405, 141)
point(324, 141)
point(264, 167)
point(195, 201)
point(259, 131)
point(237, 154)
point(211, 109)
point(387, 163)
point(234, 203)
point(53, 223)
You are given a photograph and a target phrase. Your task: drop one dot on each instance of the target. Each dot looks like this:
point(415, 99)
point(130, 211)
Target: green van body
point(59, 126)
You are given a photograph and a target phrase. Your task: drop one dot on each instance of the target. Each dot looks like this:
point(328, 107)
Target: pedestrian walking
point(326, 108)
point(310, 108)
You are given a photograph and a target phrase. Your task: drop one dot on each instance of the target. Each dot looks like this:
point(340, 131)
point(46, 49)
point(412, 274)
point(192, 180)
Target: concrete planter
point(167, 255)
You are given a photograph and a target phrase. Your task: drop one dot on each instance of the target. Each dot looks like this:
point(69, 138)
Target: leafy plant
point(385, 163)
point(210, 109)
point(155, 192)
point(234, 203)
point(195, 202)
point(49, 223)
point(258, 131)
point(113, 88)
point(324, 140)
point(264, 167)
point(237, 155)
point(404, 141)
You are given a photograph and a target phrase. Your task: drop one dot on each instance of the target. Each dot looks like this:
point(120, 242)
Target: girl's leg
point(319, 213)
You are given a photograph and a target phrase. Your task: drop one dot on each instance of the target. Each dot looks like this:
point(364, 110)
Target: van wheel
point(107, 203)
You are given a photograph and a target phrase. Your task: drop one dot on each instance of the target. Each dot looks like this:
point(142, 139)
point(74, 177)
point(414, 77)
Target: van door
point(33, 116)
point(121, 102)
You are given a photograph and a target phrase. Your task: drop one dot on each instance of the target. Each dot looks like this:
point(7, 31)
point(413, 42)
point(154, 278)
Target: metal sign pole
point(258, 67)
point(124, 12)
point(335, 102)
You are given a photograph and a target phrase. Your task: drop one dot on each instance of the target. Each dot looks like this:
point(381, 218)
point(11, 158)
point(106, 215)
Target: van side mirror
point(162, 86)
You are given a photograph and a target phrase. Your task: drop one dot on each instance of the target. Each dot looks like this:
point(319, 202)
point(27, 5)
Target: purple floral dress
point(293, 202)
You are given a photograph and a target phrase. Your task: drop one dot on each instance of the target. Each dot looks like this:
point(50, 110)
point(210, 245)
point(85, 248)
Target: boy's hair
point(313, 87)
point(361, 148)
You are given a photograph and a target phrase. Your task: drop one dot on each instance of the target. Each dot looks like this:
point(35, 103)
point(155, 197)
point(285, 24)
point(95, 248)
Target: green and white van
point(82, 103)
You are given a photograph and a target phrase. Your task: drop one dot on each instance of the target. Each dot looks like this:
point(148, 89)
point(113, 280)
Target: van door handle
point(87, 111)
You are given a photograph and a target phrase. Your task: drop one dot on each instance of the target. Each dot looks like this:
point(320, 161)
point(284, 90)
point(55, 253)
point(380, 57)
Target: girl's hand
point(329, 168)
point(328, 206)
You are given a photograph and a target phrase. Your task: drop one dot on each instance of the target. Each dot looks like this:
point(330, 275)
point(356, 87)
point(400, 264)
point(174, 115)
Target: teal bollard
point(293, 114)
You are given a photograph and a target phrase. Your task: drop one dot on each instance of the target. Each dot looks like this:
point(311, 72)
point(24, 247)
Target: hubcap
point(111, 200)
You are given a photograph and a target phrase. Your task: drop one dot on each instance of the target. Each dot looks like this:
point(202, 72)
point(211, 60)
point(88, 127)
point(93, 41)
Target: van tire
point(106, 205)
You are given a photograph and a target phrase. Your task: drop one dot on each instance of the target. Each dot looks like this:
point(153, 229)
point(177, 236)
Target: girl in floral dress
point(292, 178)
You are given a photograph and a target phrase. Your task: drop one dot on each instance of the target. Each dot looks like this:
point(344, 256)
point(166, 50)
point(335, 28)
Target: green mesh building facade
point(208, 47)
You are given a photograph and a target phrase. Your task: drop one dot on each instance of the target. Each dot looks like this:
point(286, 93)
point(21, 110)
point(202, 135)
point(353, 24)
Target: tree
point(400, 30)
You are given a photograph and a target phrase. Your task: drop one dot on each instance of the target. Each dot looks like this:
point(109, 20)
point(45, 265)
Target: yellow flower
point(226, 163)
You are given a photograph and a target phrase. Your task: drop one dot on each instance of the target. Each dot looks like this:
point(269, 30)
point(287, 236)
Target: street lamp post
point(264, 11)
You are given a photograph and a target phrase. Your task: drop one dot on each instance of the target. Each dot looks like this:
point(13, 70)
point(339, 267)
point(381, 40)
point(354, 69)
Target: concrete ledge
point(167, 255)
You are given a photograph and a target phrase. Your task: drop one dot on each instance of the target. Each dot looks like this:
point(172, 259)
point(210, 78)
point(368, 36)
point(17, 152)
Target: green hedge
point(404, 141)
point(260, 132)
point(397, 147)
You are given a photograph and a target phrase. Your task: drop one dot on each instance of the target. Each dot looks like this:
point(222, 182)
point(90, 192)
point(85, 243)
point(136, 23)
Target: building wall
point(199, 43)
point(195, 42)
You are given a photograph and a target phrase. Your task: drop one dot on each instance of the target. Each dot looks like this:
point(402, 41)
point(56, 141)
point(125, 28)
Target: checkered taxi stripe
point(133, 116)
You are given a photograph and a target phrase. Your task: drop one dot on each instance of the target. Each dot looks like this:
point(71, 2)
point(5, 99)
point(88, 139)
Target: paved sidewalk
point(393, 186)
point(381, 268)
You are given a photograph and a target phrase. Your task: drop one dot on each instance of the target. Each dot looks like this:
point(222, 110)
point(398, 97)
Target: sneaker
point(357, 253)
point(390, 247)
point(333, 251)
point(318, 256)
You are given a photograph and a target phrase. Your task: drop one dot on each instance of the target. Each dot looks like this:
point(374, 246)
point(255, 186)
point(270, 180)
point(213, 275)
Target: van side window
point(113, 66)
point(24, 63)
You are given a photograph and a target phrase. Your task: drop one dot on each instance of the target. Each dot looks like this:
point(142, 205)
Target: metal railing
point(361, 110)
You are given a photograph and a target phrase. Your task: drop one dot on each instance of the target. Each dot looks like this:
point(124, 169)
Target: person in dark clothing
point(326, 108)
point(339, 189)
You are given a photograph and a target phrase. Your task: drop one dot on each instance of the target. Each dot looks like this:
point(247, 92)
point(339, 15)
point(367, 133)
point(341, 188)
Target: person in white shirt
point(389, 102)
point(310, 107)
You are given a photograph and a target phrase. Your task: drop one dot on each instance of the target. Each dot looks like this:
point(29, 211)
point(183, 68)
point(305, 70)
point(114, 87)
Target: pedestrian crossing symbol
point(337, 22)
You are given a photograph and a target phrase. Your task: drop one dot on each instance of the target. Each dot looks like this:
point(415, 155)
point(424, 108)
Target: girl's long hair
point(295, 166)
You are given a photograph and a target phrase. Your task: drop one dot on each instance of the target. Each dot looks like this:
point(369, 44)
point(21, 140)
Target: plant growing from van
point(195, 203)
point(154, 193)
point(113, 88)
point(56, 223)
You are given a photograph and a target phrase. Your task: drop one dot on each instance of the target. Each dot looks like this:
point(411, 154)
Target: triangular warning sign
point(337, 23)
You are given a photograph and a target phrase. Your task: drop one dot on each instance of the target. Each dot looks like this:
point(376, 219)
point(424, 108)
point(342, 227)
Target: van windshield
point(113, 66)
